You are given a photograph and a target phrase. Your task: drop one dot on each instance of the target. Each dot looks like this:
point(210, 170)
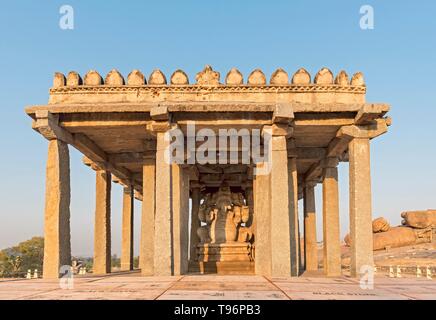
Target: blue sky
point(397, 58)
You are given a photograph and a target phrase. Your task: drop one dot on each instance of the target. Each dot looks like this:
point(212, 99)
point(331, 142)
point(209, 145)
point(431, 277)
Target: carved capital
point(283, 113)
point(375, 129)
point(329, 162)
point(310, 183)
point(160, 113)
point(47, 124)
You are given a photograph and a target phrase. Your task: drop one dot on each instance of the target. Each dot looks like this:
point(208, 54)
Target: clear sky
point(397, 57)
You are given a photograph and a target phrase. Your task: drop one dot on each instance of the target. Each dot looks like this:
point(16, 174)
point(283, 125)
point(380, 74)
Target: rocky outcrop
point(419, 219)
point(417, 228)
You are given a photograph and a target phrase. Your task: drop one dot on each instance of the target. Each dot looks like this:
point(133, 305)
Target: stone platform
point(206, 287)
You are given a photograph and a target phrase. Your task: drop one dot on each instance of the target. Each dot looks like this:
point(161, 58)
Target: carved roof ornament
point(59, 80)
point(93, 78)
point(179, 77)
point(135, 78)
point(279, 77)
point(342, 79)
point(208, 76)
point(157, 77)
point(301, 77)
point(357, 79)
point(257, 77)
point(324, 76)
point(114, 78)
point(74, 79)
point(234, 77)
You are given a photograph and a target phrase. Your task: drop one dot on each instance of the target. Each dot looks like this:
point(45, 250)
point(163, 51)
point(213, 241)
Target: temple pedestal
point(232, 251)
point(224, 258)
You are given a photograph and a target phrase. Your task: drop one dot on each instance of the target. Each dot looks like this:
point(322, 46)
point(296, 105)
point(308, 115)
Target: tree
point(15, 261)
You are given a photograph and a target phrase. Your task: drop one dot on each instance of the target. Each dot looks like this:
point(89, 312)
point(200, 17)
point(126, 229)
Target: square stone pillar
point(331, 236)
point(284, 248)
point(310, 243)
point(293, 216)
point(127, 230)
point(102, 233)
point(180, 223)
point(195, 223)
point(163, 233)
point(262, 211)
point(360, 205)
point(146, 255)
point(57, 245)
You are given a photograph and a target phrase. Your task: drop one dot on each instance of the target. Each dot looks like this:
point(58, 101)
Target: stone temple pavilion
point(213, 216)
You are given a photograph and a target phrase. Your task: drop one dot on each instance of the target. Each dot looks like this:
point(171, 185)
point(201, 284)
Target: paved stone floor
point(197, 287)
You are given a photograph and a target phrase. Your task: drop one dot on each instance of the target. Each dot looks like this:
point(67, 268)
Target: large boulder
point(380, 225)
point(419, 219)
point(395, 237)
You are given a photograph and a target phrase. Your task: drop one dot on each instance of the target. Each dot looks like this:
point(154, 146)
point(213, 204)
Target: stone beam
point(370, 131)
point(131, 157)
point(339, 145)
point(370, 112)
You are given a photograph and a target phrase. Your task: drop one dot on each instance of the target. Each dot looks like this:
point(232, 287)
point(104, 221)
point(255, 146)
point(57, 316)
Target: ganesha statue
point(224, 215)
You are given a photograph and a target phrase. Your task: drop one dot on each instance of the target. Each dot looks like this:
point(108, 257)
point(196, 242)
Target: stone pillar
point(146, 255)
point(262, 210)
point(180, 222)
point(102, 236)
point(282, 211)
point(310, 243)
point(331, 236)
point(163, 233)
point(360, 205)
point(127, 230)
point(293, 216)
point(57, 245)
point(195, 223)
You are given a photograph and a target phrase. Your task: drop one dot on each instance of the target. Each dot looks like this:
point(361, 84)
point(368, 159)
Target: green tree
point(15, 261)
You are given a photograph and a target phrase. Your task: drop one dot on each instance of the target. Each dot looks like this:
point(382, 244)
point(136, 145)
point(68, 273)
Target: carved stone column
point(146, 256)
point(357, 138)
point(163, 249)
point(262, 210)
point(102, 233)
point(331, 236)
point(293, 216)
point(180, 221)
point(360, 205)
point(127, 230)
point(310, 243)
point(195, 222)
point(57, 246)
point(283, 246)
